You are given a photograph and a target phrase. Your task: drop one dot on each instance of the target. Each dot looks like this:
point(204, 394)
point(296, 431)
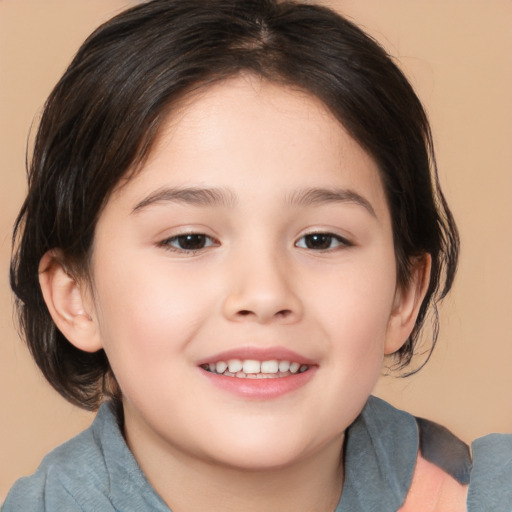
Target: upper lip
point(259, 354)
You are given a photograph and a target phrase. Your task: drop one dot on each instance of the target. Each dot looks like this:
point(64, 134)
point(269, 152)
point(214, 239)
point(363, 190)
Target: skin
point(259, 281)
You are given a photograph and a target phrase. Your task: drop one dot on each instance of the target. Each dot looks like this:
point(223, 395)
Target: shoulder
point(93, 471)
point(442, 472)
point(442, 448)
point(490, 487)
point(432, 442)
point(64, 475)
point(380, 453)
point(433, 465)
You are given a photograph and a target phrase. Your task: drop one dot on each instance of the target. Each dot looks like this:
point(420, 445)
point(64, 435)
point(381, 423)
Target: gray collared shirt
point(96, 471)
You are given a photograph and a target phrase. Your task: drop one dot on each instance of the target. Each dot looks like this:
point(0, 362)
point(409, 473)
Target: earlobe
point(67, 303)
point(406, 305)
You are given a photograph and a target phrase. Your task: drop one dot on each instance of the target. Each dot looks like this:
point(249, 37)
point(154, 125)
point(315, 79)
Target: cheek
point(145, 315)
point(355, 317)
point(357, 303)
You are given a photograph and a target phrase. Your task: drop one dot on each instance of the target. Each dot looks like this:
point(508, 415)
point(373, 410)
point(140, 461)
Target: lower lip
point(260, 389)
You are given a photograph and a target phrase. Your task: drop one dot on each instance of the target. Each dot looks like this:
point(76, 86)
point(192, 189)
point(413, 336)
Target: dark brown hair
point(101, 119)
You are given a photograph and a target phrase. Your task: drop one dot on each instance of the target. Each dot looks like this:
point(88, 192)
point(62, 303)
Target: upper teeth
point(253, 366)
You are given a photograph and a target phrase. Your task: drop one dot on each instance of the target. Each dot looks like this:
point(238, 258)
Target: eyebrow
point(197, 196)
point(318, 196)
point(210, 197)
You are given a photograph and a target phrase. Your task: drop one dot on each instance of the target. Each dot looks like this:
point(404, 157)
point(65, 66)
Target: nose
point(263, 290)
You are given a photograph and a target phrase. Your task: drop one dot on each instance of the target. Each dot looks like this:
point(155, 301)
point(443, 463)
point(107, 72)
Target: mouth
point(258, 373)
point(255, 369)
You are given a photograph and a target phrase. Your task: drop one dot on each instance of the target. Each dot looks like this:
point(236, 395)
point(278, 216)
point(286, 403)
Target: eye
point(188, 242)
point(322, 241)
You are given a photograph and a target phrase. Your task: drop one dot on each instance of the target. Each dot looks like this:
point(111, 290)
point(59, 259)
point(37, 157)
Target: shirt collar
point(381, 448)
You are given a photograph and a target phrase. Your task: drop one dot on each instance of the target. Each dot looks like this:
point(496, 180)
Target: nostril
point(284, 313)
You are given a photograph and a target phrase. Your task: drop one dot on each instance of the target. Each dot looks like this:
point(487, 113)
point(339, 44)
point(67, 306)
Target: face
point(244, 284)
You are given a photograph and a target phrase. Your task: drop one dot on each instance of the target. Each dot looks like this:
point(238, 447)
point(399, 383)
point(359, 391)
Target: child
point(233, 217)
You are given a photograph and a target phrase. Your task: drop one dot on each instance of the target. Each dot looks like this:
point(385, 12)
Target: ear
point(68, 302)
point(407, 303)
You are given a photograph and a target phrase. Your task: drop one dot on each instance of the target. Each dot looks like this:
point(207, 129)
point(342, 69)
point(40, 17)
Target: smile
point(254, 369)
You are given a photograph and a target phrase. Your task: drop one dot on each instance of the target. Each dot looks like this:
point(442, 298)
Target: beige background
point(458, 55)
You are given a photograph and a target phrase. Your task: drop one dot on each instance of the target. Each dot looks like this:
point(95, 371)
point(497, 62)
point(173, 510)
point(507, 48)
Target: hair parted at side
point(102, 117)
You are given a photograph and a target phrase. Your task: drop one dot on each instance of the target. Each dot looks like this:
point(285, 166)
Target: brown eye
point(188, 242)
point(191, 242)
point(322, 241)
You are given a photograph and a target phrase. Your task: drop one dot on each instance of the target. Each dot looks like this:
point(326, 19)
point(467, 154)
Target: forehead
point(250, 134)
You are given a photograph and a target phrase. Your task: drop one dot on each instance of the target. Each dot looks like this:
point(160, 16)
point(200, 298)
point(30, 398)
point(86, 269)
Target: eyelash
point(322, 238)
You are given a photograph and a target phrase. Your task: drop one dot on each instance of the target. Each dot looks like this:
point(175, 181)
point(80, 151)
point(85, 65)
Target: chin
point(261, 452)
point(257, 461)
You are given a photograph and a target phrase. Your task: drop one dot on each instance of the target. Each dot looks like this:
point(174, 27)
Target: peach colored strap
point(433, 490)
